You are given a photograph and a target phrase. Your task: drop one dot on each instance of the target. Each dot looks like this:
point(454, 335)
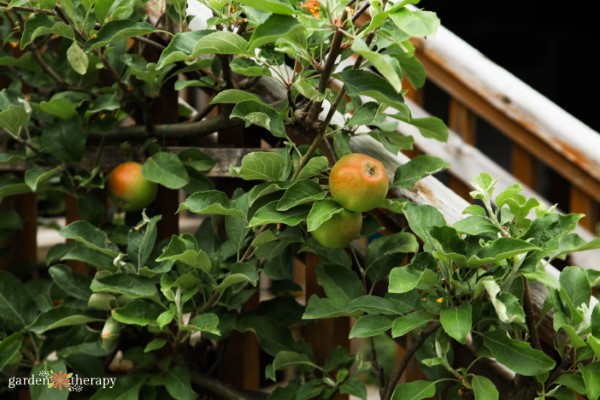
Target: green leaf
point(422, 217)
point(43, 392)
point(180, 48)
point(248, 67)
point(166, 169)
point(268, 214)
point(272, 6)
point(365, 114)
point(506, 305)
point(412, 68)
point(242, 273)
point(90, 236)
point(370, 325)
point(235, 96)
point(301, 192)
point(591, 378)
point(41, 25)
point(155, 344)
point(371, 305)
point(402, 325)
point(484, 389)
point(10, 185)
point(572, 381)
point(321, 212)
point(134, 286)
point(277, 27)
point(72, 283)
point(35, 176)
point(59, 107)
point(354, 387)
point(314, 167)
point(9, 348)
point(178, 384)
point(388, 66)
point(386, 251)
point(406, 279)
point(339, 283)
point(415, 390)
point(419, 167)
point(286, 358)
point(57, 318)
point(364, 83)
point(457, 321)
point(307, 88)
point(517, 355)
point(260, 114)
point(476, 225)
point(318, 308)
point(77, 59)
point(220, 42)
point(13, 118)
point(138, 312)
point(262, 165)
point(207, 322)
point(574, 281)
point(65, 140)
point(140, 244)
point(431, 127)
point(178, 249)
point(197, 160)
point(210, 202)
point(16, 307)
point(113, 31)
point(417, 22)
point(166, 317)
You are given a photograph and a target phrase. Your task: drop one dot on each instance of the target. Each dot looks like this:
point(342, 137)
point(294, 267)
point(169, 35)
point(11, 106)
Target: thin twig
point(360, 11)
point(334, 52)
point(393, 382)
point(149, 42)
point(4, 6)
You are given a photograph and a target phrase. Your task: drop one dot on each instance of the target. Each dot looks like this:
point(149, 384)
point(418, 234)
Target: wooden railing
point(539, 130)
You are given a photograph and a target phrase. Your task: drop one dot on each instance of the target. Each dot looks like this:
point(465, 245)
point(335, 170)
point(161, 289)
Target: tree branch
point(220, 389)
point(173, 131)
point(389, 390)
point(5, 5)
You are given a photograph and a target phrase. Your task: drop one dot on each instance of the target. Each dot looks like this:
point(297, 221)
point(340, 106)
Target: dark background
point(548, 47)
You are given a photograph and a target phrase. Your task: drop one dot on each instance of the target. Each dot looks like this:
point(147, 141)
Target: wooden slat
point(466, 161)
point(565, 144)
point(524, 166)
point(323, 334)
point(462, 121)
point(580, 202)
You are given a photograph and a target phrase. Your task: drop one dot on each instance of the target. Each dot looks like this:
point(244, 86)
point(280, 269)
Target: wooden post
point(523, 166)
point(323, 335)
point(580, 202)
point(462, 121)
point(24, 242)
point(241, 362)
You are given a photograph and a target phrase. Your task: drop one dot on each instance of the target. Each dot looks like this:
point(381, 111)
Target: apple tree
point(313, 82)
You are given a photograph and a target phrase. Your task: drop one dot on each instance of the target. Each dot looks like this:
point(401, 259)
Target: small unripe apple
point(128, 188)
point(358, 182)
point(339, 230)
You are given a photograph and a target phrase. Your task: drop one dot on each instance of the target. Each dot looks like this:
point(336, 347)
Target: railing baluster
point(580, 202)
point(461, 120)
point(524, 166)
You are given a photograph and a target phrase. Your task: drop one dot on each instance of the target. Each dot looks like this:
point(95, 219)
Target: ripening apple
point(339, 230)
point(358, 182)
point(128, 188)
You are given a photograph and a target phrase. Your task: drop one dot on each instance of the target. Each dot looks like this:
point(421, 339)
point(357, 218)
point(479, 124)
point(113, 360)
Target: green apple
point(358, 182)
point(339, 230)
point(128, 188)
